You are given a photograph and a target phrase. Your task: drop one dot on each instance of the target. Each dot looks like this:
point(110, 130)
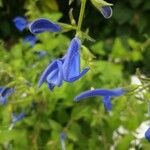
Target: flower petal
point(107, 103)
point(3, 100)
point(99, 92)
point(30, 39)
point(42, 25)
point(147, 134)
point(106, 11)
point(7, 91)
point(51, 86)
point(20, 23)
point(1, 89)
point(84, 71)
point(71, 65)
point(16, 118)
point(4, 93)
point(52, 66)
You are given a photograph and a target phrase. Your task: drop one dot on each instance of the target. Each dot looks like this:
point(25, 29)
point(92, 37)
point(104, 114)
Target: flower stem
point(81, 15)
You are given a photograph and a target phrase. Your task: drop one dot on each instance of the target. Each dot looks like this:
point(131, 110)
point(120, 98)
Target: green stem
point(81, 15)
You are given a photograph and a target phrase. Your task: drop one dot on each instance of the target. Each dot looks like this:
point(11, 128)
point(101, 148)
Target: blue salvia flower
point(16, 118)
point(20, 23)
point(4, 93)
point(53, 74)
point(147, 134)
point(71, 65)
point(107, 94)
point(64, 69)
point(107, 103)
point(62, 139)
point(106, 11)
point(31, 39)
point(41, 25)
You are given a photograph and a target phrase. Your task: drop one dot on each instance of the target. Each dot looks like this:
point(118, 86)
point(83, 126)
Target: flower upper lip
point(41, 25)
point(71, 65)
point(106, 93)
point(100, 92)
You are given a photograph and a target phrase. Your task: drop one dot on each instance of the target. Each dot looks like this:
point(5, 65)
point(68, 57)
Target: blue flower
point(16, 118)
point(147, 134)
point(40, 53)
point(20, 23)
point(106, 11)
point(107, 103)
point(71, 65)
point(42, 25)
point(107, 94)
point(53, 74)
point(62, 139)
point(64, 69)
point(4, 93)
point(31, 39)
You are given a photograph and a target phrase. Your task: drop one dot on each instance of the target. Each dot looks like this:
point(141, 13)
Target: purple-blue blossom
point(106, 93)
point(147, 134)
point(20, 23)
point(62, 139)
point(41, 25)
point(4, 93)
point(30, 39)
point(64, 69)
point(53, 74)
point(16, 118)
point(107, 103)
point(71, 65)
point(106, 11)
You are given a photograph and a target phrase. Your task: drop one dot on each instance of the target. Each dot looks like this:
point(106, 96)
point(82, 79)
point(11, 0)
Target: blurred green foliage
point(122, 45)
